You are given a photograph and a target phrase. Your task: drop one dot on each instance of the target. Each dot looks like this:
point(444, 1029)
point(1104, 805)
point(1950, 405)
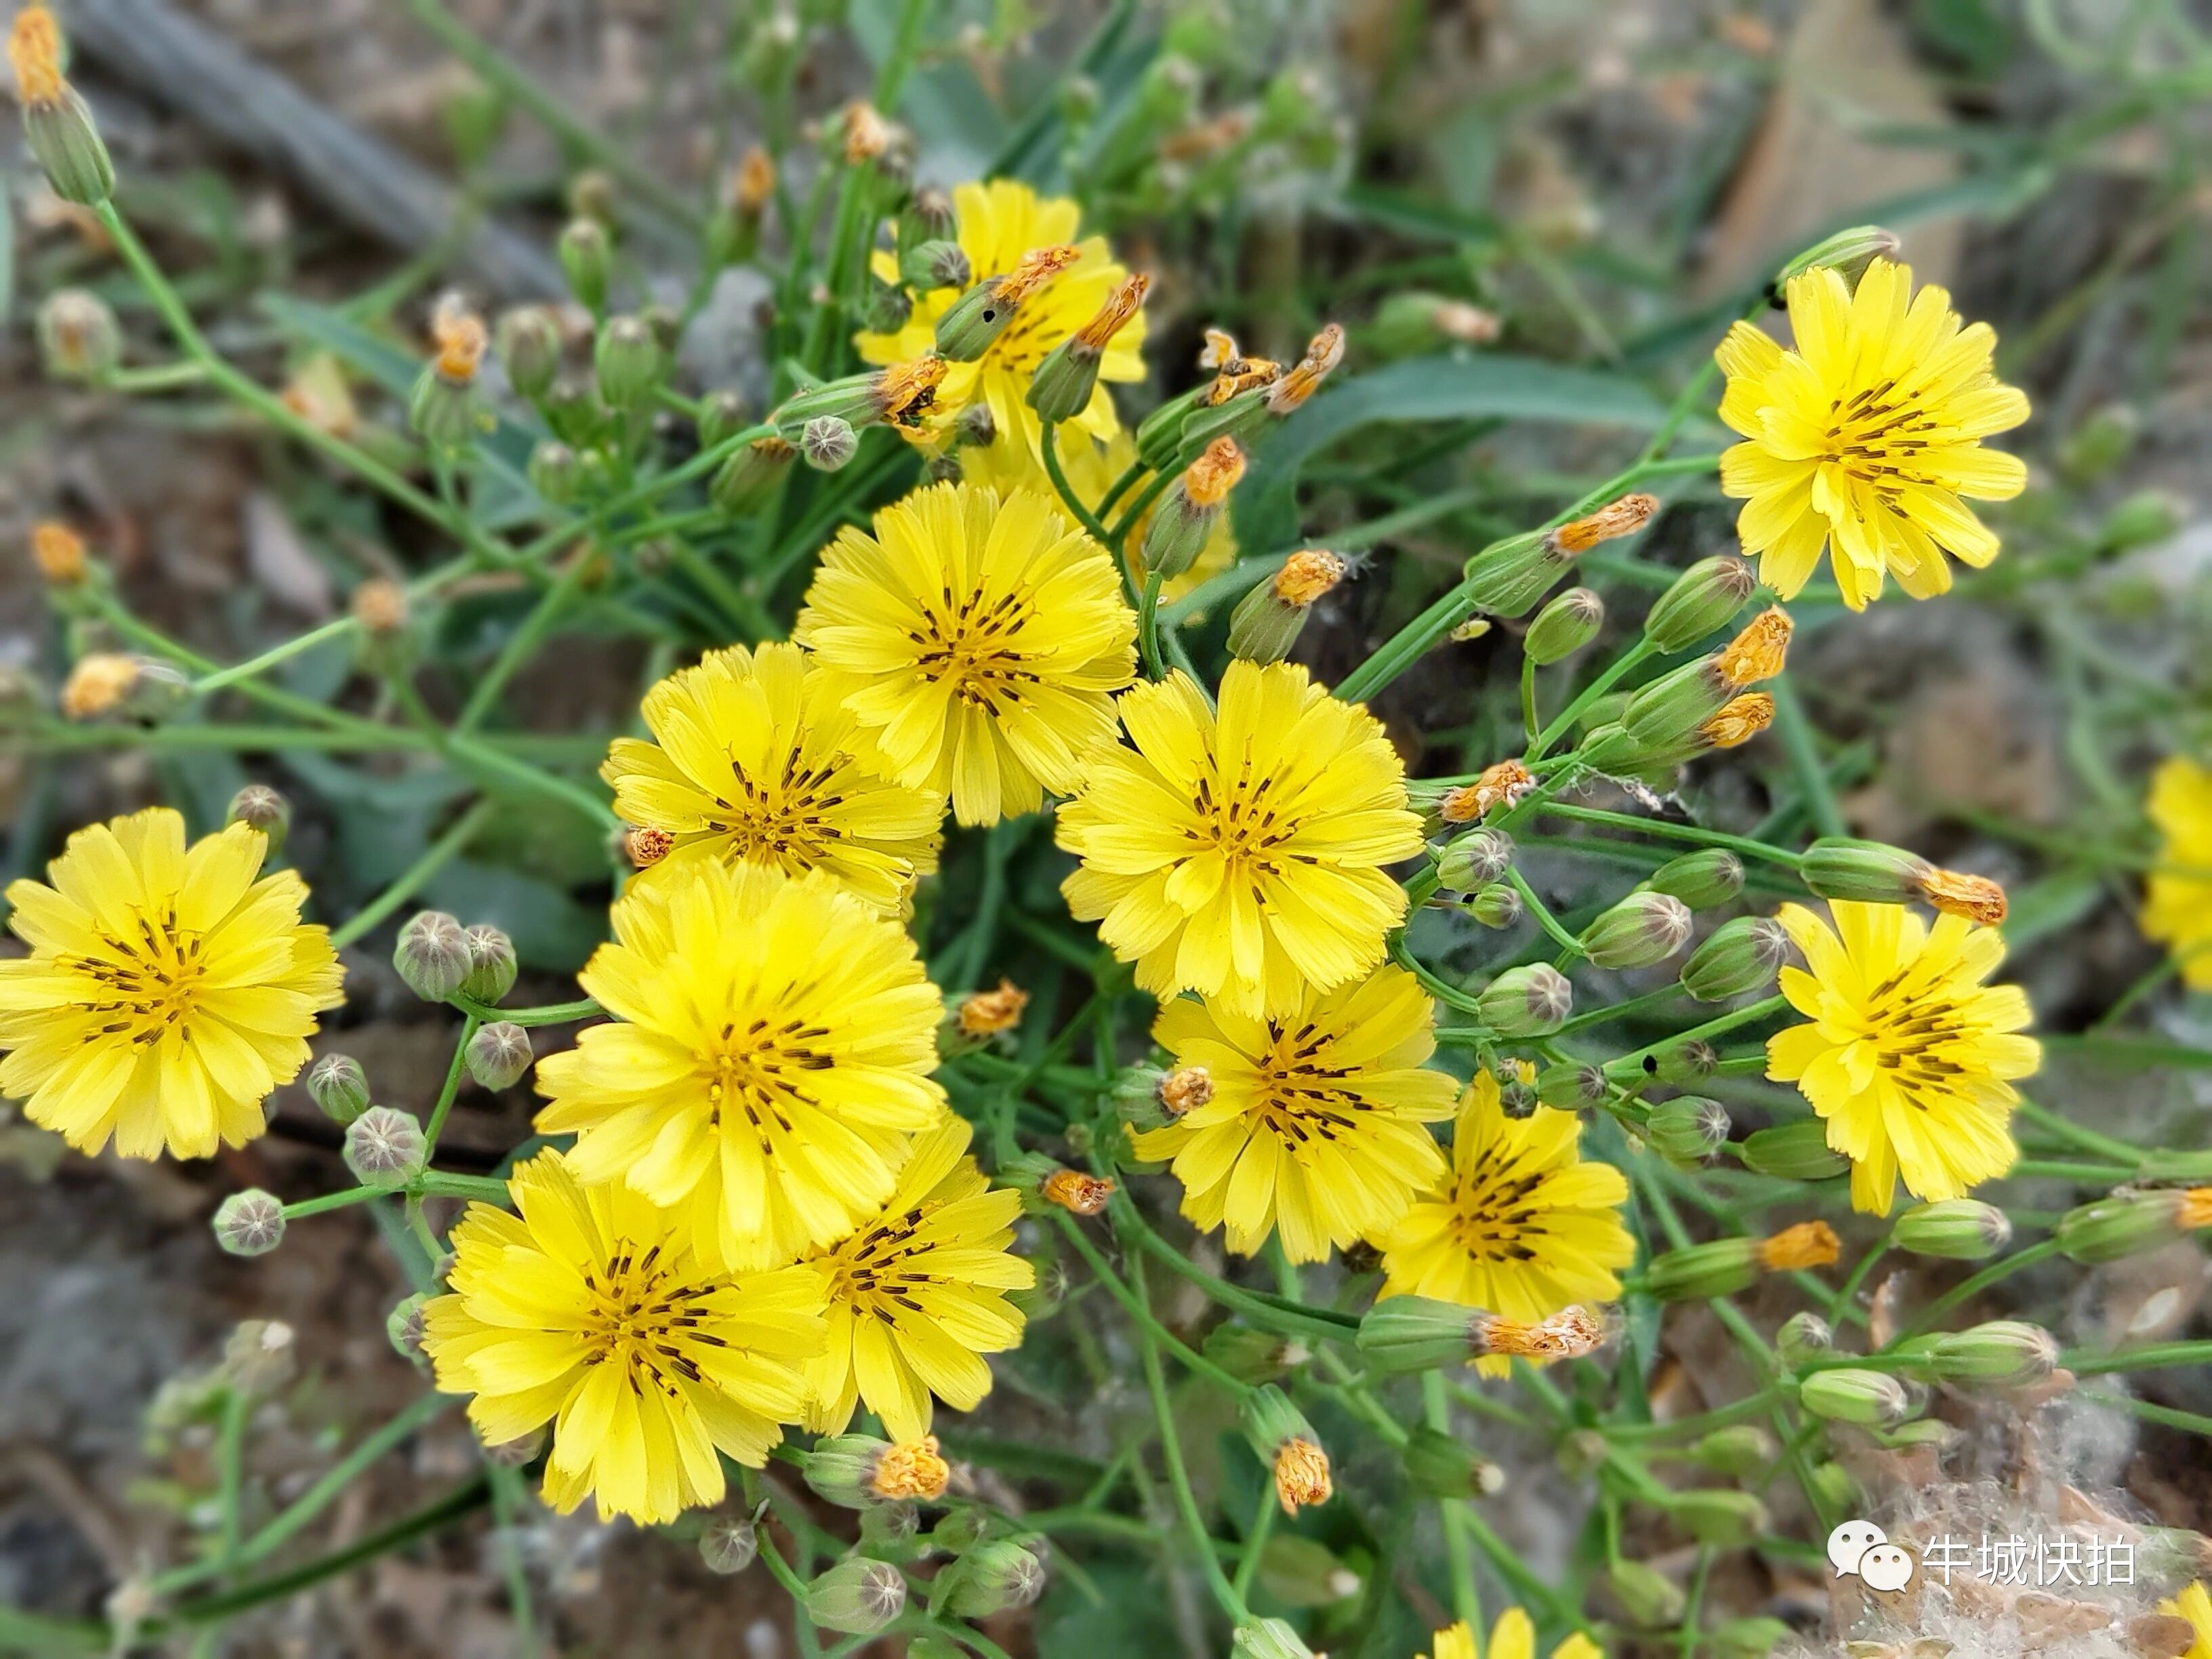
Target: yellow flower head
point(999, 224)
point(168, 992)
point(1520, 1225)
point(1314, 1125)
point(1908, 1055)
point(977, 642)
point(917, 1294)
point(769, 1061)
point(590, 1309)
point(755, 759)
point(2178, 897)
point(1241, 854)
point(1863, 438)
point(1092, 469)
point(2194, 1604)
point(1513, 1637)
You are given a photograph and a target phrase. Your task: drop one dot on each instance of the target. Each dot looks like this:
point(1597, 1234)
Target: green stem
point(1796, 728)
point(1201, 1538)
point(1973, 1287)
point(323, 1203)
point(449, 1093)
point(1609, 677)
point(1666, 829)
point(1148, 627)
point(2088, 1139)
point(1459, 1556)
point(1256, 1542)
point(1141, 1310)
point(230, 1475)
point(410, 881)
point(550, 1013)
point(1266, 1312)
point(526, 640)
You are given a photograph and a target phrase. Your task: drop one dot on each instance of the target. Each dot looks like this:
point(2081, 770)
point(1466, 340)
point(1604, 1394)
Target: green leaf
point(1425, 390)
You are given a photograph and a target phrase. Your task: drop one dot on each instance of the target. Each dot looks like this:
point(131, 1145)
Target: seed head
point(987, 1013)
point(1807, 1245)
point(58, 551)
point(828, 442)
point(1307, 575)
point(98, 684)
point(251, 1223)
point(1957, 894)
point(259, 807)
point(1075, 1192)
point(1622, 517)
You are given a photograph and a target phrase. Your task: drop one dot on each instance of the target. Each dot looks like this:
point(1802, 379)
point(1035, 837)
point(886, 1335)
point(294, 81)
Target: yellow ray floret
point(1513, 1637)
point(1241, 854)
point(999, 222)
point(768, 1065)
point(977, 641)
point(1520, 1225)
point(1908, 1055)
point(754, 758)
point(589, 1309)
point(2178, 896)
point(1865, 439)
point(1317, 1122)
point(168, 992)
point(918, 1294)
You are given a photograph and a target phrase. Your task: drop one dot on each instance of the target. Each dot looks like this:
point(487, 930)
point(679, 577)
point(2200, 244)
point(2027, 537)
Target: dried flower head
point(1622, 517)
point(1739, 720)
point(1302, 1475)
point(908, 390)
point(1957, 894)
point(1807, 1245)
point(1234, 372)
point(380, 605)
point(1467, 324)
point(34, 53)
point(1307, 575)
point(1758, 653)
point(987, 1013)
point(1207, 481)
point(1034, 269)
point(1122, 304)
point(911, 1469)
point(1323, 353)
point(1185, 1089)
point(1506, 783)
point(98, 684)
point(460, 338)
point(1076, 1191)
point(58, 551)
point(867, 135)
point(753, 183)
point(1569, 1334)
point(646, 846)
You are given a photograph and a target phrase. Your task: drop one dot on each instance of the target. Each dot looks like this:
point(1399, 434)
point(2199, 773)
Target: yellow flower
point(1316, 1121)
point(2178, 898)
point(1520, 1225)
point(1241, 855)
point(999, 222)
point(755, 759)
point(168, 992)
point(1863, 438)
point(1513, 1637)
point(977, 641)
point(2195, 1605)
point(590, 1309)
point(917, 1294)
point(1092, 469)
point(769, 1064)
point(1909, 1056)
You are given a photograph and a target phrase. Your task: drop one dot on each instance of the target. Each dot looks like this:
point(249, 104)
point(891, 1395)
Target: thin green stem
point(411, 881)
point(450, 1092)
point(1148, 627)
point(1459, 1556)
point(1201, 1538)
point(1256, 1542)
point(1796, 728)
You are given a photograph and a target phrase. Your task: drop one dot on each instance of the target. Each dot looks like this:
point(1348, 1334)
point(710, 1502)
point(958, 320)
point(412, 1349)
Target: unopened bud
point(587, 256)
point(728, 1543)
point(259, 807)
point(1441, 1467)
point(1682, 1062)
point(1507, 579)
point(1644, 928)
point(1415, 1334)
point(1700, 1272)
point(858, 1596)
point(1649, 1598)
point(2004, 1353)
point(1704, 880)
point(1954, 1229)
point(2129, 1221)
point(627, 362)
point(1475, 860)
point(1719, 1517)
point(1803, 1337)
point(995, 1577)
point(260, 1356)
point(529, 342)
point(499, 1055)
point(58, 127)
point(338, 1087)
point(1847, 1395)
point(1868, 872)
point(1268, 1639)
point(722, 416)
point(1686, 1131)
point(1251, 1355)
point(749, 476)
point(828, 443)
point(403, 1327)
point(433, 956)
point(1572, 1088)
point(1753, 1637)
point(492, 966)
point(1528, 1001)
point(937, 263)
point(1741, 1448)
point(555, 472)
point(1848, 253)
point(1794, 1151)
point(1268, 619)
point(1564, 627)
point(1497, 905)
point(251, 1223)
point(384, 1147)
point(79, 338)
point(1743, 954)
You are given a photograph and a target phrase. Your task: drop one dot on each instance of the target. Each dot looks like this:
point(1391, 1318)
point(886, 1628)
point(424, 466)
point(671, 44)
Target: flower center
point(783, 818)
point(876, 1271)
point(1909, 1029)
point(1242, 823)
point(974, 648)
point(754, 1073)
point(1489, 1215)
point(1301, 1102)
point(1878, 433)
point(152, 980)
point(640, 1316)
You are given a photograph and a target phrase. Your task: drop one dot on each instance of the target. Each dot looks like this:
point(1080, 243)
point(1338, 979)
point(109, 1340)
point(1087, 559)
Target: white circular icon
point(1886, 1567)
point(1850, 1542)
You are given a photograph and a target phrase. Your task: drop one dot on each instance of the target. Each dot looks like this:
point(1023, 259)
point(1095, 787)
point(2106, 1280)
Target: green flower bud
point(888, 1531)
point(2004, 1353)
point(1848, 253)
point(974, 322)
point(886, 308)
point(384, 1147)
point(1704, 599)
point(1269, 1638)
point(1741, 955)
point(1682, 1062)
point(1475, 860)
point(433, 956)
point(1187, 514)
point(2100, 443)
point(728, 1543)
point(1159, 434)
point(858, 1597)
point(338, 1087)
point(994, 1577)
point(842, 1469)
point(555, 472)
point(2143, 519)
point(935, 263)
point(1836, 867)
point(1832, 1484)
point(2128, 1222)
point(1703, 881)
point(1669, 709)
point(1496, 906)
point(63, 138)
point(1267, 620)
point(1441, 1467)
point(587, 256)
point(79, 338)
point(1644, 928)
point(1572, 1088)
point(749, 476)
point(260, 1357)
point(1702, 1272)
point(1251, 1355)
point(1803, 1337)
point(928, 216)
point(628, 361)
point(722, 416)
point(1564, 627)
point(571, 407)
point(447, 415)
point(473, 112)
point(1845, 1394)
point(1651, 1599)
point(1060, 390)
point(1304, 1572)
point(933, 1647)
point(828, 443)
point(1926, 1431)
point(492, 966)
point(1507, 579)
point(1270, 1422)
point(1741, 1448)
point(962, 1527)
point(1688, 1130)
point(593, 194)
point(1956, 1229)
point(1719, 1517)
point(403, 1328)
point(1753, 1636)
point(259, 807)
point(498, 1055)
point(1411, 324)
point(1794, 1151)
point(1415, 1334)
point(1529, 1001)
point(529, 342)
point(251, 1223)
